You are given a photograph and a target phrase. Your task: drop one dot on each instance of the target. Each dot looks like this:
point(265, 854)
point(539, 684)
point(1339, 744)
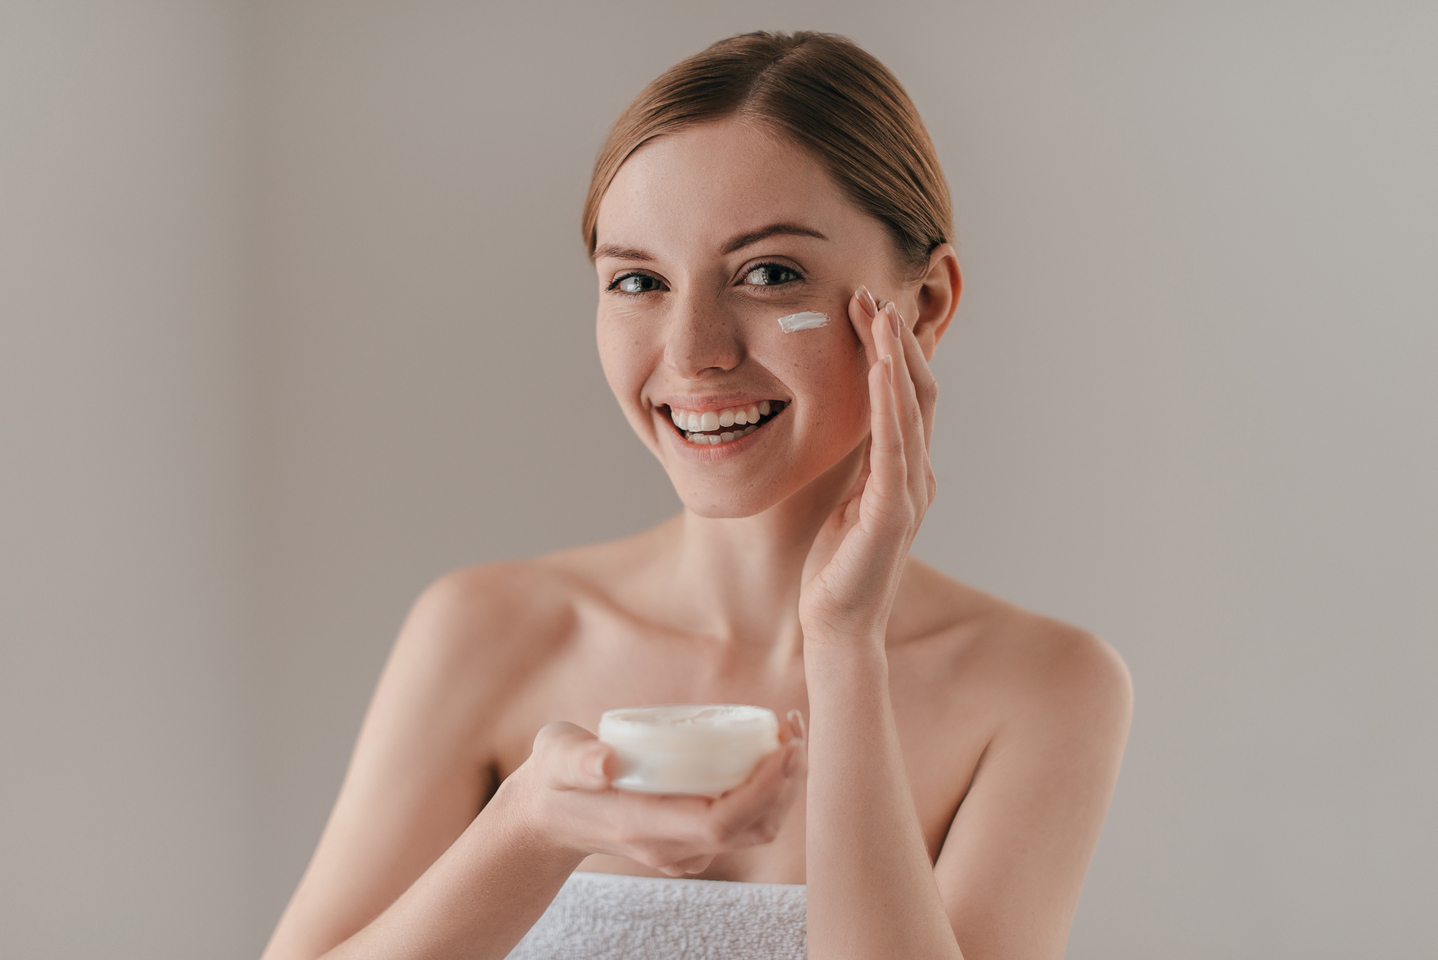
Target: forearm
point(477, 900)
point(871, 889)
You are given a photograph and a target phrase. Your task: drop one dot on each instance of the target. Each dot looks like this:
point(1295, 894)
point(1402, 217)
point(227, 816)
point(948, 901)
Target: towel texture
point(605, 916)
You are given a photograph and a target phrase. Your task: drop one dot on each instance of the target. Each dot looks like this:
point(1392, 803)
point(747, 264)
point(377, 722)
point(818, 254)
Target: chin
point(723, 507)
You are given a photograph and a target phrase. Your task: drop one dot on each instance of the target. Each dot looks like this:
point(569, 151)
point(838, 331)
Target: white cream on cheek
point(803, 321)
point(701, 749)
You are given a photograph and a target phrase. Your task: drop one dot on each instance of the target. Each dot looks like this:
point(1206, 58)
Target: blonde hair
point(825, 94)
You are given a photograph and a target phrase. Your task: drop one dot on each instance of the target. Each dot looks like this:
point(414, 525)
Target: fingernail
point(597, 765)
point(796, 723)
point(894, 319)
point(866, 302)
point(792, 762)
point(889, 368)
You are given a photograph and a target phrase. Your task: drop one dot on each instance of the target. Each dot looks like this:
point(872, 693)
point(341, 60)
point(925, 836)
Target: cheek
point(827, 372)
point(622, 352)
point(832, 349)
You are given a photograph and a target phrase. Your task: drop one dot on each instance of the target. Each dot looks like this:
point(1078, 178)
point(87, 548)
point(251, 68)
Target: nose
point(701, 338)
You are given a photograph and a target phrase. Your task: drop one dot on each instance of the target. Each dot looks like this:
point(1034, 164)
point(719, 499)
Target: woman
point(960, 753)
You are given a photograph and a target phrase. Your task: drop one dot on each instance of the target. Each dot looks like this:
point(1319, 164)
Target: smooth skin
point(960, 753)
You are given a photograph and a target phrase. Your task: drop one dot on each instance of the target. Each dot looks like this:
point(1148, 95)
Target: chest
point(941, 737)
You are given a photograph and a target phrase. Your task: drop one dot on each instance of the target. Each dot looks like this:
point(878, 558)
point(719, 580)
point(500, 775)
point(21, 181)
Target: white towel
point(606, 916)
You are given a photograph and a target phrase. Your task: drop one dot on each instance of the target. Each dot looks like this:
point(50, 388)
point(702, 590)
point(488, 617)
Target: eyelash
point(613, 286)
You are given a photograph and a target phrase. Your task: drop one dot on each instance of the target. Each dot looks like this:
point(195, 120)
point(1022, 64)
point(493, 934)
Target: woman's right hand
point(563, 797)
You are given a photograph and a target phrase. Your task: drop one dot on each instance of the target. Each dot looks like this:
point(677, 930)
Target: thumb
point(572, 758)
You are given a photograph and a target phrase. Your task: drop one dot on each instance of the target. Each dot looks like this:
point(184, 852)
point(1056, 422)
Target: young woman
point(947, 791)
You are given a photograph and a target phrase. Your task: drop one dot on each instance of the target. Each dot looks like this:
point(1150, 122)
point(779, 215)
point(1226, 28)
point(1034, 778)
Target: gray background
point(294, 317)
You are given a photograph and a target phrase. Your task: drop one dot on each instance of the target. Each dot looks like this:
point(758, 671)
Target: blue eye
point(771, 275)
point(634, 283)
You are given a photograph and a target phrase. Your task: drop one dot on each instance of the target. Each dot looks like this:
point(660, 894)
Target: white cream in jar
point(694, 748)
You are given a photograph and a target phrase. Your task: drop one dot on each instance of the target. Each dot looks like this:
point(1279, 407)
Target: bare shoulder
point(486, 614)
point(1040, 738)
point(481, 630)
point(470, 639)
point(1027, 667)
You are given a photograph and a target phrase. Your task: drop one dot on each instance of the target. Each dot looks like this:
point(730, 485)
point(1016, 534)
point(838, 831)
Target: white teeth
point(700, 427)
point(709, 439)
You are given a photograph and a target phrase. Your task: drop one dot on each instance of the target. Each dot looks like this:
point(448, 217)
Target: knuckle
point(544, 738)
point(552, 736)
point(716, 833)
point(650, 858)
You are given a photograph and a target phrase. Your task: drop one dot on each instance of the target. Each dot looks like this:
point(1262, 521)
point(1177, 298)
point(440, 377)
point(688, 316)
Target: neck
point(738, 579)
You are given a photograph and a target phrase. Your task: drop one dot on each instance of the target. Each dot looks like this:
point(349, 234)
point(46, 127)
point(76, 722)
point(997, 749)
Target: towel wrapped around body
point(606, 916)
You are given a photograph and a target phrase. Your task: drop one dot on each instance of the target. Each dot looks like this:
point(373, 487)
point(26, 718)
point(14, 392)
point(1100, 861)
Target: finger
point(797, 765)
point(862, 308)
point(910, 410)
point(656, 829)
point(572, 758)
point(796, 771)
point(887, 470)
point(693, 865)
point(752, 812)
point(906, 397)
point(796, 724)
point(925, 385)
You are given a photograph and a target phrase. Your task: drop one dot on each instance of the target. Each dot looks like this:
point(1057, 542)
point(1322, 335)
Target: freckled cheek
point(828, 375)
point(627, 357)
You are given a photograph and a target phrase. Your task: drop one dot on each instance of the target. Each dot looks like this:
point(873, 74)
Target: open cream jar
point(688, 747)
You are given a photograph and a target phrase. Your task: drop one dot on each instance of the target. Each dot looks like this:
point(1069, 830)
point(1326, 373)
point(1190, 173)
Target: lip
point(715, 452)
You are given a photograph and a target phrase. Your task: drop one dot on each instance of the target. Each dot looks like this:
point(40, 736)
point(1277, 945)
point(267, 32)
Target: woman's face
point(705, 238)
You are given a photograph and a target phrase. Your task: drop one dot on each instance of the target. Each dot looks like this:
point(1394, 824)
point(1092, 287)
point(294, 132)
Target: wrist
point(845, 659)
point(522, 816)
point(841, 640)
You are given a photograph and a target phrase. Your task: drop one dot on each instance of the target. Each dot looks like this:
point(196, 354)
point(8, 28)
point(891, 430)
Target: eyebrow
point(773, 230)
point(738, 243)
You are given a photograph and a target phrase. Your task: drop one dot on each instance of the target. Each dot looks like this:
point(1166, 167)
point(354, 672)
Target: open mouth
point(724, 426)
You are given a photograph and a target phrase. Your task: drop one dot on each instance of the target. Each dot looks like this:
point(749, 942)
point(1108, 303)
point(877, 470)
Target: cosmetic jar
point(692, 748)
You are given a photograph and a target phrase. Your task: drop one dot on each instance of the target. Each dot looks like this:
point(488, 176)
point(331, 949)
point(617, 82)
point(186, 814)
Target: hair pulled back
point(825, 94)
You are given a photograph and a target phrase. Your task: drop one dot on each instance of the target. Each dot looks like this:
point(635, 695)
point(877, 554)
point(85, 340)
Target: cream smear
point(691, 748)
point(803, 321)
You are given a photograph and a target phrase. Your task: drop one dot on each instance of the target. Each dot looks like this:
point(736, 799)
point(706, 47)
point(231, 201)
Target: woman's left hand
point(853, 569)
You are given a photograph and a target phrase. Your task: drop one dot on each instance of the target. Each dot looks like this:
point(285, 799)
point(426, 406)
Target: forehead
point(700, 187)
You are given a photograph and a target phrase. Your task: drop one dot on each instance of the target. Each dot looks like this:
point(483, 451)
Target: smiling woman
point(947, 792)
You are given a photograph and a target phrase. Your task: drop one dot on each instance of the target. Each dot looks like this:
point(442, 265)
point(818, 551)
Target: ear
point(938, 297)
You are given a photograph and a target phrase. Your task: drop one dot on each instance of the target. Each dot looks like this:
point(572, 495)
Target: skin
point(959, 756)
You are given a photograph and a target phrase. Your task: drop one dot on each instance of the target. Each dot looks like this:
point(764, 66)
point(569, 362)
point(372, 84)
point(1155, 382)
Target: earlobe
point(938, 298)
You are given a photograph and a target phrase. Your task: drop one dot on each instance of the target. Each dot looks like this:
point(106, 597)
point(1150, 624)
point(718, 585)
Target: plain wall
point(1188, 402)
point(127, 776)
